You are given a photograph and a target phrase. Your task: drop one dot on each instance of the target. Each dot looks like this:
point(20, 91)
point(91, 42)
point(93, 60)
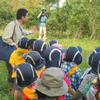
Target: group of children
point(52, 73)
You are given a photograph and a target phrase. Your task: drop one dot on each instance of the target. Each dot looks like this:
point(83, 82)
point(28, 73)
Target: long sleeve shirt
point(13, 32)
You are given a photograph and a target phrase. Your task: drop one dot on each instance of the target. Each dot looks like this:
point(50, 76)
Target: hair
point(21, 12)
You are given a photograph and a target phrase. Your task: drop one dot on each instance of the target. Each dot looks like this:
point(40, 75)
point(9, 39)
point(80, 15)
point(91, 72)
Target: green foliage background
point(77, 18)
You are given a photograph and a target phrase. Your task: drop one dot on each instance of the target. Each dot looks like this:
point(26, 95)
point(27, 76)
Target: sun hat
point(40, 46)
point(52, 42)
point(73, 55)
point(25, 75)
point(23, 42)
point(52, 56)
point(34, 58)
point(95, 62)
point(52, 83)
point(43, 9)
point(92, 54)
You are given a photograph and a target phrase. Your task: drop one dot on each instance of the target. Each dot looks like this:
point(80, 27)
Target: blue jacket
point(43, 20)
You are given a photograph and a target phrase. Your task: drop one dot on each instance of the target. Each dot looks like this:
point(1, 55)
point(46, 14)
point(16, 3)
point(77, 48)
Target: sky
point(61, 3)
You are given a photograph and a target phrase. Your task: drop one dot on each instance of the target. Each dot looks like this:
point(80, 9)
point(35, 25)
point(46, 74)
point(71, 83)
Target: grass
point(87, 48)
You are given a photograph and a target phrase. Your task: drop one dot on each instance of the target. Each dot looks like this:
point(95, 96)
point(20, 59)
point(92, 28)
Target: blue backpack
point(5, 49)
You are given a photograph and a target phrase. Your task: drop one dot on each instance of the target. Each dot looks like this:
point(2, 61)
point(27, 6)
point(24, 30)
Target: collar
point(17, 23)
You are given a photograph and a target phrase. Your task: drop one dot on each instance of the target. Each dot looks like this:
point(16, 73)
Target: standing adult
point(13, 33)
point(43, 17)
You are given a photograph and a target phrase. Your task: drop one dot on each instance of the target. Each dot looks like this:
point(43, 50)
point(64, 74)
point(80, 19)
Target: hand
point(16, 46)
point(33, 29)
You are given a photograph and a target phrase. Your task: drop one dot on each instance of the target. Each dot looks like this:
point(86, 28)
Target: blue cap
point(53, 57)
point(52, 42)
point(95, 61)
point(40, 46)
point(34, 58)
point(25, 75)
point(23, 42)
point(73, 55)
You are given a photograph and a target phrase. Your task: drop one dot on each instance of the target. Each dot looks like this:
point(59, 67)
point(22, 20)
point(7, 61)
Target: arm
point(7, 36)
point(32, 31)
point(13, 66)
point(39, 15)
point(70, 90)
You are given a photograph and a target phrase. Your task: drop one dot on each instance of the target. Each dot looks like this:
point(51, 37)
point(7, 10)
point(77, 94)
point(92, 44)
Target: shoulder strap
point(14, 30)
point(73, 70)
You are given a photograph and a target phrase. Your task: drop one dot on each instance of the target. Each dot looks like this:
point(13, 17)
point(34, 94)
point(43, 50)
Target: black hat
point(92, 54)
point(43, 9)
point(52, 42)
point(40, 46)
point(25, 75)
point(30, 43)
point(34, 58)
point(95, 61)
point(73, 55)
point(23, 42)
point(53, 57)
point(79, 48)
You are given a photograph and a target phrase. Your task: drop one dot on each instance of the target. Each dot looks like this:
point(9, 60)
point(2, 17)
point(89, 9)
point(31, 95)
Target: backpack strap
point(14, 30)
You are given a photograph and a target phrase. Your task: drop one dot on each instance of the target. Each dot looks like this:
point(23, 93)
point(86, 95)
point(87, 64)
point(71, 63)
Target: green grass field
point(87, 46)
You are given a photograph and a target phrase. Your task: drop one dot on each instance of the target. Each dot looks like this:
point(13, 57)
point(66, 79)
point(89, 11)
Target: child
point(52, 85)
point(89, 77)
point(17, 58)
point(25, 75)
point(52, 42)
point(72, 59)
point(40, 46)
point(90, 93)
point(34, 58)
point(61, 48)
point(89, 70)
point(53, 59)
point(30, 44)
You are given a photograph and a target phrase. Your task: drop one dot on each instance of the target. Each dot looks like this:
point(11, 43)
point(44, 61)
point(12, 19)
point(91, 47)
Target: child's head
point(53, 57)
point(79, 48)
point(40, 46)
point(52, 83)
point(61, 48)
point(52, 42)
point(23, 43)
point(25, 75)
point(73, 55)
point(95, 62)
point(92, 54)
point(30, 44)
point(34, 58)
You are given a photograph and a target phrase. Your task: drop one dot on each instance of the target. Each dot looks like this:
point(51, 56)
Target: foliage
point(77, 18)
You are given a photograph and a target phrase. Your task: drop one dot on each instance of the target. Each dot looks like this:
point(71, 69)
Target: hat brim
point(51, 92)
point(23, 84)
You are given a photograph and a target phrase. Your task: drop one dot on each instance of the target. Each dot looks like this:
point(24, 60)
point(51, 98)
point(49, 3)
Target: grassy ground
point(87, 46)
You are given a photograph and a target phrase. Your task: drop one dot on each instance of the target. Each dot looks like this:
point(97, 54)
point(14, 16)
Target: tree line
point(77, 18)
